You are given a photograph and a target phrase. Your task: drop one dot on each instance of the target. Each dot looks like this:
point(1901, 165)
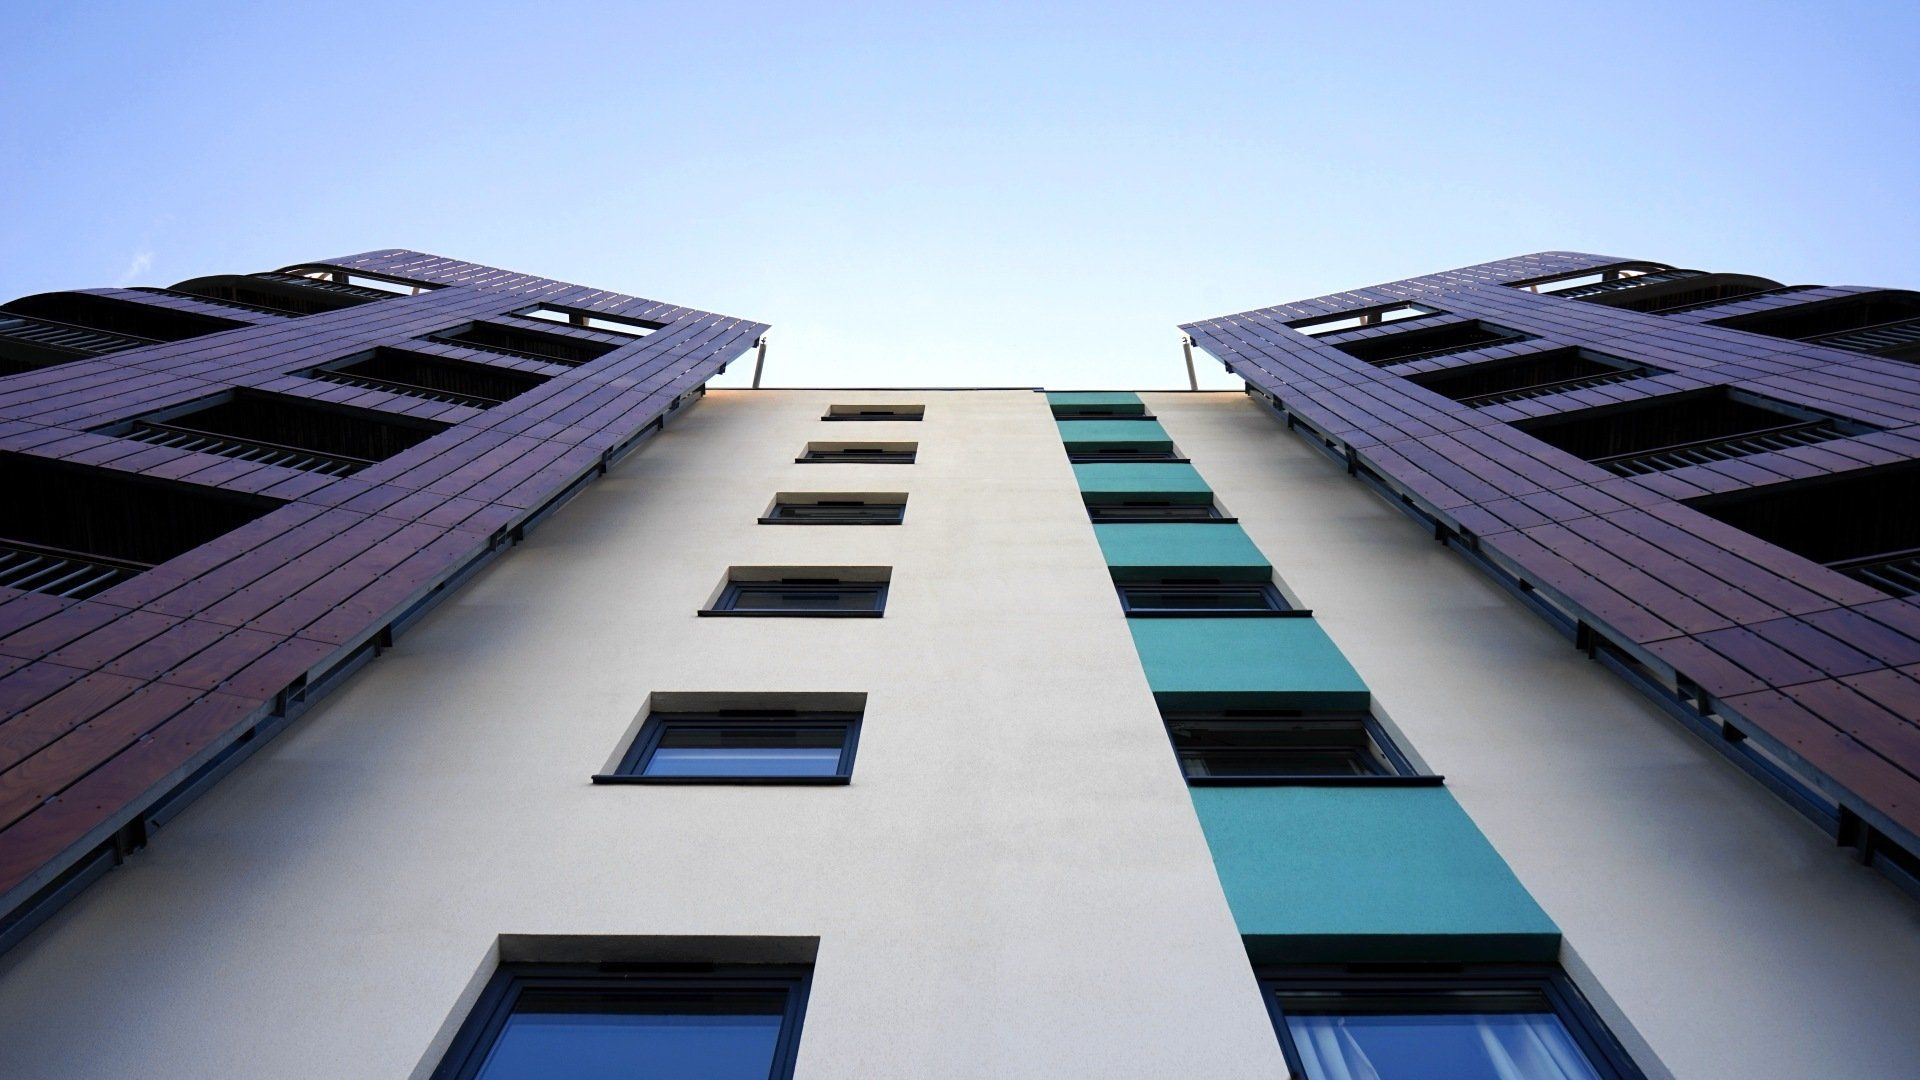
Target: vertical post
point(759, 361)
point(1186, 346)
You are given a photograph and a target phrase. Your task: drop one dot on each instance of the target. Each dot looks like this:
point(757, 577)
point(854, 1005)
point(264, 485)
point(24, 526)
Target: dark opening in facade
point(1268, 747)
point(1399, 348)
point(53, 328)
point(1496, 381)
point(283, 294)
point(1884, 323)
point(1678, 430)
point(1865, 524)
point(275, 429)
point(434, 378)
point(1683, 292)
point(519, 341)
point(73, 530)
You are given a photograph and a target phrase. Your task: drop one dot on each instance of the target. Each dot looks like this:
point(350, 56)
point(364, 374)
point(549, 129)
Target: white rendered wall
point(1736, 937)
point(1013, 885)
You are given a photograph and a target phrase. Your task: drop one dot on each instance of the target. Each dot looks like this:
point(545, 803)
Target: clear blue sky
point(975, 194)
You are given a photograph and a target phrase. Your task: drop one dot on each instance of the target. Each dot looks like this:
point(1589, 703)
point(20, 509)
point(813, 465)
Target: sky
point(975, 194)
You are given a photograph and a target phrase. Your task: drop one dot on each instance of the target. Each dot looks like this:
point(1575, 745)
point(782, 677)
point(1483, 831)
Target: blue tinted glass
point(744, 761)
point(624, 1046)
point(1457, 1046)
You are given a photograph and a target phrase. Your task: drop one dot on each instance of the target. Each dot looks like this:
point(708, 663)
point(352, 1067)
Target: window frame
point(1355, 981)
point(773, 516)
point(859, 455)
point(1213, 516)
point(1401, 769)
point(582, 319)
point(657, 725)
point(1093, 455)
point(480, 1032)
point(1266, 590)
point(875, 413)
point(729, 595)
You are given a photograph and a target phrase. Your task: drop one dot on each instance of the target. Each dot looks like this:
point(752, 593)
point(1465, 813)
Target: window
point(1681, 292)
point(590, 320)
point(366, 283)
point(1091, 453)
point(1861, 523)
point(434, 378)
point(812, 509)
point(1333, 324)
point(54, 328)
point(608, 1021)
point(1495, 382)
point(1408, 345)
point(883, 453)
point(1192, 596)
point(1674, 431)
point(1491, 1022)
point(531, 344)
point(1883, 323)
point(1581, 279)
point(277, 429)
point(285, 294)
point(1152, 510)
point(74, 531)
point(851, 593)
point(1286, 746)
point(875, 412)
point(742, 746)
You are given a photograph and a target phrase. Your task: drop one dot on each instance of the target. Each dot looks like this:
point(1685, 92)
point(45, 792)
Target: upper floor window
point(1883, 323)
point(377, 284)
point(53, 328)
point(433, 378)
point(1584, 279)
point(590, 320)
point(1356, 320)
point(743, 746)
point(1405, 346)
point(520, 341)
point(1143, 511)
point(713, 1022)
point(1496, 382)
point(1090, 453)
point(815, 591)
point(282, 429)
point(1860, 522)
point(875, 412)
point(1192, 596)
point(815, 508)
point(1486, 1022)
point(1673, 431)
point(1286, 746)
point(873, 453)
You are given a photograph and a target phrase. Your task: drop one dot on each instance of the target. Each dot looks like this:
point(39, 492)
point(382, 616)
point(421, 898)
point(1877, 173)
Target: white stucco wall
point(1013, 885)
point(1736, 938)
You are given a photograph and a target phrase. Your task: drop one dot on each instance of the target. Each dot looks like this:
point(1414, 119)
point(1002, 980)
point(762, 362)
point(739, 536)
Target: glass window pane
point(1459, 1046)
point(625, 1035)
point(769, 751)
point(776, 597)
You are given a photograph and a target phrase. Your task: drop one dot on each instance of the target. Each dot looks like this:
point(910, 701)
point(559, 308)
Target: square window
point(1285, 746)
point(753, 746)
point(594, 1022)
point(1202, 597)
point(818, 597)
point(1489, 1022)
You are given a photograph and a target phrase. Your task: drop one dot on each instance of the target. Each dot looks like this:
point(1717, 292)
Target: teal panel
point(1327, 874)
point(1113, 481)
point(1068, 402)
point(1181, 549)
point(1245, 663)
point(1146, 434)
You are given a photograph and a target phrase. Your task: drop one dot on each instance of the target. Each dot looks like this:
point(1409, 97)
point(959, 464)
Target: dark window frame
point(1356, 982)
point(657, 726)
point(1143, 512)
point(774, 516)
point(1399, 770)
point(1264, 590)
point(730, 595)
point(876, 412)
point(859, 455)
point(1091, 455)
point(488, 1018)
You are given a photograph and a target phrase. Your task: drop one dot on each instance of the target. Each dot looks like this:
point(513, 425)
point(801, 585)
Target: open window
point(1422, 344)
point(278, 429)
point(1287, 746)
point(432, 378)
point(1495, 382)
point(53, 328)
point(74, 531)
point(1862, 523)
point(1674, 431)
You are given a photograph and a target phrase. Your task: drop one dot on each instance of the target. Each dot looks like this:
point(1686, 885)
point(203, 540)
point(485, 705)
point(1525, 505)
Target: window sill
point(852, 461)
point(1211, 613)
point(790, 521)
point(757, 781)
point(716, 614)
point(1316, 781)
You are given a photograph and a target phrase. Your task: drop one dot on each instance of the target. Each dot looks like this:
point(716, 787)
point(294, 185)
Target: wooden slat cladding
point(108, 703)
point(1825, 667)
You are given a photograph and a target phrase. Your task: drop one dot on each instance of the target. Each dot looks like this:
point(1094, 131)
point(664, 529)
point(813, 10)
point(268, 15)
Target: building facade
point(946, 733)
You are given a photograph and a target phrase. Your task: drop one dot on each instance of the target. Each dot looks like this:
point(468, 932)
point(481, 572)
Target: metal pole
point(1186, 346)
point(759, 361)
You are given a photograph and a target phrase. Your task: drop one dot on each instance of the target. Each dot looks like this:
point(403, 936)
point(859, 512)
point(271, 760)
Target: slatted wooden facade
point(114, 704)
point(1821, 670)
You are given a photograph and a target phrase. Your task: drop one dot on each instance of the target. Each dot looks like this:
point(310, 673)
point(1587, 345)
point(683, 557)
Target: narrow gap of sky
point(971, 194)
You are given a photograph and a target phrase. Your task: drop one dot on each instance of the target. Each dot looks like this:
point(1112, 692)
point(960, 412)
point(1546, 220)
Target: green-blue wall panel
point(1245, 663)
point(1175, 549)
point(1323, 874)
point(1070, 401)
point(1137, 434)
point(1113, 481)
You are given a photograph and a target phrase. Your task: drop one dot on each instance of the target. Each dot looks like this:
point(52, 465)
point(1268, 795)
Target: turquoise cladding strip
point(1173, 549)
point(1135, 434)
point(1204, 663)
point(1068, 402)
point(1114, 481)
point(1335, 874)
